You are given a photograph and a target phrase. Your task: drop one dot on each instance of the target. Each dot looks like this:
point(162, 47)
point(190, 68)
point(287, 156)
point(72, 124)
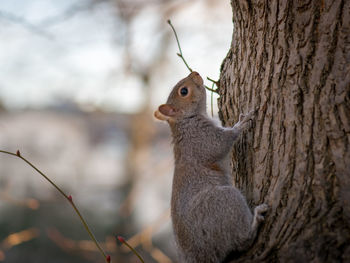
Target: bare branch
point(178, 44)
point(27, 25)
point(69, 13)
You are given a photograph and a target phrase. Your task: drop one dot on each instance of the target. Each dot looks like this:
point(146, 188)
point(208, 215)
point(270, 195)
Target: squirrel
point(210, 217)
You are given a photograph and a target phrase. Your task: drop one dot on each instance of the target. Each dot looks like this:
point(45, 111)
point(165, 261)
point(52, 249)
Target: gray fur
point(210, 216)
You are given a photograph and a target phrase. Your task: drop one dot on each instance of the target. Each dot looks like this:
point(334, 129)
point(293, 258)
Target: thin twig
point(26, 24)
point(69, 198)
point(211, 100)
point(212, 90)
point(214, 81)
point(178, 44)
point(183, 59)
point(122, 240)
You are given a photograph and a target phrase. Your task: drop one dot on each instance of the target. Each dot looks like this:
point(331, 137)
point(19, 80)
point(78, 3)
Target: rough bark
point(291, 59)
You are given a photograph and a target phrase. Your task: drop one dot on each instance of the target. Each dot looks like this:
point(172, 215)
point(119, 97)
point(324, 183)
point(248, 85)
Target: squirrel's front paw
point(248, 117)
point(259, 215)
point(245, 120)
point(259, 212)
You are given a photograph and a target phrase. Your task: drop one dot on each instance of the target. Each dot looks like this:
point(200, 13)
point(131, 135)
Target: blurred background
point(79, 82)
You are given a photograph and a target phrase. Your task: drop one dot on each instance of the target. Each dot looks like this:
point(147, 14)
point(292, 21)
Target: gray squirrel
point(210, 217)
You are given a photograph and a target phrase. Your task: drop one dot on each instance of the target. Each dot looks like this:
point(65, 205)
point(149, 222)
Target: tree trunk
point(291, 60)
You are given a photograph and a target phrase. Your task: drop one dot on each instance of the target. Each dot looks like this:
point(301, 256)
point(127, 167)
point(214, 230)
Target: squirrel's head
point(187, 98)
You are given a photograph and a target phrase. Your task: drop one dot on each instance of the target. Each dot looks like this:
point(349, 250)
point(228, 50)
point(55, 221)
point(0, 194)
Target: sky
point(57, 51)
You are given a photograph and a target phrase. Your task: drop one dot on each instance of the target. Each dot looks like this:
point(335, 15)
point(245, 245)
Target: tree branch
point(27, 25)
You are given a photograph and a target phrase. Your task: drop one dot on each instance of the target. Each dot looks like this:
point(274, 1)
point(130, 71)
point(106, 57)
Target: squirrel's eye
point(183, 91)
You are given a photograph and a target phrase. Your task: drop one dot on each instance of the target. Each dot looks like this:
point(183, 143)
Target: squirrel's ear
point(164, 112)
point(167, 110)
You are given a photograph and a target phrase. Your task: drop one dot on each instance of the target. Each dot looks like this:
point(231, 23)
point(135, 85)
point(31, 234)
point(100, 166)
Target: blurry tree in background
point(78, 102)
point(291, 60)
